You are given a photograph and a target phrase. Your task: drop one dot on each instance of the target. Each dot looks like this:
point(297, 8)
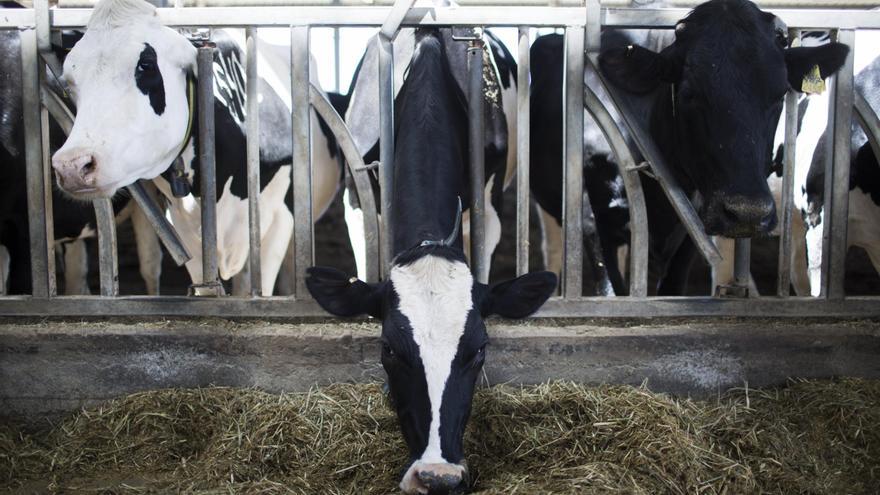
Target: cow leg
point(354, 222)
point(551, 241)
point(492, 226)
point(814, 256)
point(4, 269)
point(622, 255)
point(241, 281)
point(273, 249)
point(76, 268)
point(800, 278)
point(610, 255)
point(674, 282)
point(148, 250)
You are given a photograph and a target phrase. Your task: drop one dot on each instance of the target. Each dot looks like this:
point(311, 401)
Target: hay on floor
point(809, 437)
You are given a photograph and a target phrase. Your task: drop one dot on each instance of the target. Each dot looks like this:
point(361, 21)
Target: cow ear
point(342, 295)
point(519, 297)
point(801, 60)
point(638, 70)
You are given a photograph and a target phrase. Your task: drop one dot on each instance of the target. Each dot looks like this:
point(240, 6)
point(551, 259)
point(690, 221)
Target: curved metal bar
point(392, 23)
point(680, 203)
point(361, 182)
point(868, 120)
point(638, 215)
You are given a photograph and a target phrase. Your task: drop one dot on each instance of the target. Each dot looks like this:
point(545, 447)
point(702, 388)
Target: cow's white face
point(128, 78)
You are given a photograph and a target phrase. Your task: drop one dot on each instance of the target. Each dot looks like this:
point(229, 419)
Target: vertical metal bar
point(39, 186)
point(107, 256)
point(742, 258)
point(477, 157)
point(386, 149)
point(253, 162)
point(783, 283)
point(207, 166)
point(302, 158)
point(523, 198)
point(337, 78)
point(836, 203)
point(573, 195)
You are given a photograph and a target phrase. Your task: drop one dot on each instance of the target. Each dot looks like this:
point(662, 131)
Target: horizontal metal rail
point(447, 16)
point(286, 307)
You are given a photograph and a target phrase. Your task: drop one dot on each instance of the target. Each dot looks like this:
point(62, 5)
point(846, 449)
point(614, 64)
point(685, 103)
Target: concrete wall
point(52, 366)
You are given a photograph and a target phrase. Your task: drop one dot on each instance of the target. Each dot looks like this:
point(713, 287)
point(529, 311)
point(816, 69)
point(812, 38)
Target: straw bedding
point(815, 437)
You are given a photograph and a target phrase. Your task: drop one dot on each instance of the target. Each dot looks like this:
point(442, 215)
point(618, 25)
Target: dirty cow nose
point(742, 216)
point(440, 479)
point(76, 169)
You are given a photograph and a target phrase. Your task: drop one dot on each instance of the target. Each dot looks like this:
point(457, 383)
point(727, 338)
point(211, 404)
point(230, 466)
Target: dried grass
point(810, 437)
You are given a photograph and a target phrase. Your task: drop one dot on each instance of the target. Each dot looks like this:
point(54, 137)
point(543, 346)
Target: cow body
point(129, 58)
point(362, 117)
point(431, 308)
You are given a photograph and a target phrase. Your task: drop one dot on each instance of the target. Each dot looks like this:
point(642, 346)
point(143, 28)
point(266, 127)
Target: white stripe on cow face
point(435, 296)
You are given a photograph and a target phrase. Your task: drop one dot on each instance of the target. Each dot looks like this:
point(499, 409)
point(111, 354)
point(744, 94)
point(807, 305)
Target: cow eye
point(479, 356)
point(146, 65)
point(782, 38)
point(387, 351)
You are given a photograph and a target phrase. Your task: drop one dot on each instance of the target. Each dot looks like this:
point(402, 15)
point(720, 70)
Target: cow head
point(433, 347)
point(721, 85)
point(128, 79)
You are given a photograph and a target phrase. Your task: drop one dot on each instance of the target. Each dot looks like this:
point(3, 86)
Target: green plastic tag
point(813, 83)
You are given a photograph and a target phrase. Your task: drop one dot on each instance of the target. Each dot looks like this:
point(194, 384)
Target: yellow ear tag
point(813, 83)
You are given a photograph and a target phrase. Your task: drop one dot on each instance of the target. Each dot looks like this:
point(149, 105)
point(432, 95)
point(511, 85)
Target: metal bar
point(253, 163)
point(593, 26)
point(509, 16)
point(107, 260)
point(207, 169)
point(284, 307)
point(157, 219)
point(386, 149)
point(638, 223)
point(677, 198)
point(395, 18)
point(39, 197)
point(574, 193)
point(523, 198)
point(303, 241)
point(783, 283)
point(358, 173)
point(837, 175)
point(479, 267)
point(56, 108)
point(742, 259)
point(868, 120)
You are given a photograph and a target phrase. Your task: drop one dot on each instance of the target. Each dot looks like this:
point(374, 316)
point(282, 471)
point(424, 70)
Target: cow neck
point(176, 174)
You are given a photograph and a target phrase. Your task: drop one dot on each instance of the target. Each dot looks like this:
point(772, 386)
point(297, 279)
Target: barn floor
point(817, 437)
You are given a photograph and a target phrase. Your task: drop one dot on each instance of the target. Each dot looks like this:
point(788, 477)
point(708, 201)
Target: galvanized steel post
point(479, 267)
point(386, 148)
point(107, 256)
point(39, 178)
point(253, 163)
point(783, 284)
point(303, 241)
point(210, 285)
point(523, 198)
point(836, 204)
point(741, 263)
point(573, 188)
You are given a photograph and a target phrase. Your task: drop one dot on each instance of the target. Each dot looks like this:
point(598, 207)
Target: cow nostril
point(439, 482)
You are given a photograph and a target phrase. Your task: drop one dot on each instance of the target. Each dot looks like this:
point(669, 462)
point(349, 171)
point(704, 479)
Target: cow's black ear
point(801, 60)
point(342, 295)
point(636, 69)
point(519, 297)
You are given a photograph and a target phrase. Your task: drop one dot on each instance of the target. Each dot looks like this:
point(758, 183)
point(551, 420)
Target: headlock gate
point(581, 40)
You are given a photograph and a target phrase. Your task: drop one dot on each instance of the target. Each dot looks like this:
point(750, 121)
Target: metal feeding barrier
point(581, 27)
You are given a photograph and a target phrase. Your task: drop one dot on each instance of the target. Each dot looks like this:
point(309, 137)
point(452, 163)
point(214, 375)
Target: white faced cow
point(129, 79)
point(432, 310)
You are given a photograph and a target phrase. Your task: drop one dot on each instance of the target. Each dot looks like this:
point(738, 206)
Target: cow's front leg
point(354, 223)
point(273, 247)
point(148, 250)
point(76, 268)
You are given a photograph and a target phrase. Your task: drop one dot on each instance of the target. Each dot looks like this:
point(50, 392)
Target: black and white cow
point(607, 230)
point(710, 98)
point(362, 118)
point(128, 76)
point(432, 310)
point(864, 197)
point(73, 221)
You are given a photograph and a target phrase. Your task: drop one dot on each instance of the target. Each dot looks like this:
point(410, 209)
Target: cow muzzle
point(77, 170)
point(740, 215)
point(435, 479)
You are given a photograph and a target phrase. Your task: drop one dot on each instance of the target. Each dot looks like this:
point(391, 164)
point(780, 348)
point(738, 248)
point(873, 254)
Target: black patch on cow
point(865, 173)
point(149, 79)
